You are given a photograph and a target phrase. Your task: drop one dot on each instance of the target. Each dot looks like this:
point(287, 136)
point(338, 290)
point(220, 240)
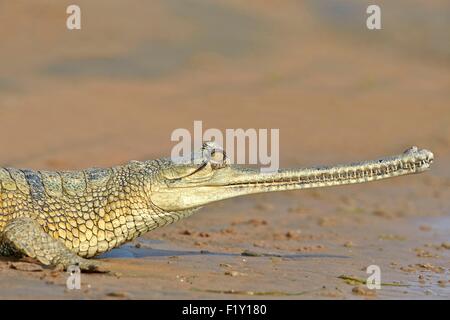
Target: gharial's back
point(89, 210)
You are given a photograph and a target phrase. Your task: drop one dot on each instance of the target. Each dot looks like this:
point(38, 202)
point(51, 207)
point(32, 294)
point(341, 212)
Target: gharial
point(62, 218)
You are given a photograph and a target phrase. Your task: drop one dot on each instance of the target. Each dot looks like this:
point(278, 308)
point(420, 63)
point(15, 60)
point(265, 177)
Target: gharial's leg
point(24, 236)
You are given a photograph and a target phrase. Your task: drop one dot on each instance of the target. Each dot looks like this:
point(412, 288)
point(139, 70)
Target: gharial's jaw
point(200, 185)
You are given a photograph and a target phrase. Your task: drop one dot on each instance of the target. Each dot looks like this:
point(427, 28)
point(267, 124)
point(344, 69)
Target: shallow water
point(156, 250)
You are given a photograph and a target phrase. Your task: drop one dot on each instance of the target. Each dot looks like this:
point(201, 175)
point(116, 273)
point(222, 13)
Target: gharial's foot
point(24, 236)
point(86, 265)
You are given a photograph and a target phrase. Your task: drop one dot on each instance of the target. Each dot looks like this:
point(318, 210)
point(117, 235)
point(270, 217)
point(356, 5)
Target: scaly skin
point(64, 217)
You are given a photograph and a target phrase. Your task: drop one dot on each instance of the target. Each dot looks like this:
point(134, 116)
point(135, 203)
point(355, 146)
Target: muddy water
point(117, 89)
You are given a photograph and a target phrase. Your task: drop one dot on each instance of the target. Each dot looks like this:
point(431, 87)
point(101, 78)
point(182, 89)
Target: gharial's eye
point(218, 158)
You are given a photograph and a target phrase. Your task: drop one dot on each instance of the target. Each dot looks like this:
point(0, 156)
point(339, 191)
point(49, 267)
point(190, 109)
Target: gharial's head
point(208, 177)
point(205, 177)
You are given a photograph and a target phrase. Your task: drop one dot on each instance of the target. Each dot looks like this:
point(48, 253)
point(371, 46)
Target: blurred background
point(137, 70)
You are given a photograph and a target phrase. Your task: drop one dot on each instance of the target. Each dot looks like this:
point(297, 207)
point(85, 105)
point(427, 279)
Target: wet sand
point(117, 89)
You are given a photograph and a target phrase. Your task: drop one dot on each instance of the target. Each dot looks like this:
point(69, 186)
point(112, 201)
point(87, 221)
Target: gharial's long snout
point(231, 181)
point(413, 160)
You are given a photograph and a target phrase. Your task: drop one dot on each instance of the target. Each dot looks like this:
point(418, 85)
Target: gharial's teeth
point(370, 172)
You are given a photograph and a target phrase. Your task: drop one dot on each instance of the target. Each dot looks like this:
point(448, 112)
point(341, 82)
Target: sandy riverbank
point(117, 89)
